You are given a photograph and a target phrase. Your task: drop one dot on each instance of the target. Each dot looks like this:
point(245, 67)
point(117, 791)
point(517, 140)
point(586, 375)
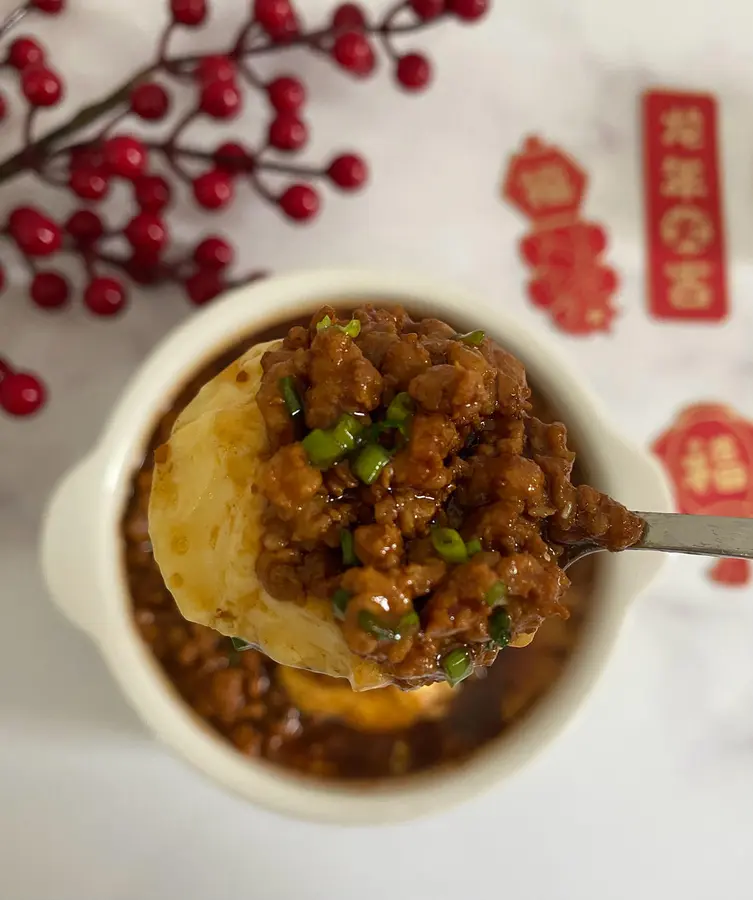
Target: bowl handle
point(68, 546)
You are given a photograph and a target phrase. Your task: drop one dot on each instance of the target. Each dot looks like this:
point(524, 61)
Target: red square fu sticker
point(686, 255)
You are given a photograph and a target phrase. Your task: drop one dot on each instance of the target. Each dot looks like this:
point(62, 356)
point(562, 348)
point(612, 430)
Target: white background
point(650, 794)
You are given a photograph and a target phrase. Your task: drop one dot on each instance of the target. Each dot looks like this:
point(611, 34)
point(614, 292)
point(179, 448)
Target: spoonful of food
point(373, 498)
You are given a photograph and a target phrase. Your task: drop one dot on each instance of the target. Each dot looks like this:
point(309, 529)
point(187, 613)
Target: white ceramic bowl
point(82, 552)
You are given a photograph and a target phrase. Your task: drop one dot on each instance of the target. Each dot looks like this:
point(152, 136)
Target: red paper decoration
point(569, 279)
point(708, 454)
point(686, 255)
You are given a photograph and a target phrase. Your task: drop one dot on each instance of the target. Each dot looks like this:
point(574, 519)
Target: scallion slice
point(449, 545)
point(322, 448)
point(372, 625)
point(370, 462)
point(473, 547)
point(497, 594)
point(499, 627)
point(472, 338)
point(239, 644)
point(348, 548)
point(347, 432)
point(290, 396)
point(339, 602)
point(457, 665)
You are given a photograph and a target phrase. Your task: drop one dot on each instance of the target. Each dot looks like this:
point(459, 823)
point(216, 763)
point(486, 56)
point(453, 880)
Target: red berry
point(213, 189)
point(89, 184)
point(150, 102)
point(25, 52)
point(276, 17)
point(85, 227)
point(49, 290)
point(413, 71)
point(286, 94)
point(231, 158)
point(287, 132)
point(348, 171)
point(469, 10)
point(354, 53)
point(40, 86)
point(51, 7)
point(204, 286)
point(215, 68)
point(348, 17)
point(299, 202)
point(105, 296)
point(428, 9)
point(213, 253)
point(220, 100)
point(125, 156)
point(189, 12)
point(147, 233)
point(144, 268)
point(152, 193)
point(21, 393)
point(35, 234)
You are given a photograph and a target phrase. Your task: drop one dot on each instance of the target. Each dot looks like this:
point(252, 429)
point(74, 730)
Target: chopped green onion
point(339, 601)
point(407, 623)
point(239, 644)
point(347, 432)
point(370, 462)
point(348, 549)
point(378, 629)
point(473, 547)
point(457, 665)
point(497, 594)
point(352, 329)
point(499, 627)
point(322, 448)
point(449, 545)
point(290, 395)
point(473, 338)
point(401, 408)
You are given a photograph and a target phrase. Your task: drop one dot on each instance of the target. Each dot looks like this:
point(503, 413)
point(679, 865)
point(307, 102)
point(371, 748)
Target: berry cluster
point(155, 170)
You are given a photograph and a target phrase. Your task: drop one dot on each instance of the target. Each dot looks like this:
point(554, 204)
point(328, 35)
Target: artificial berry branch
point(88, 154)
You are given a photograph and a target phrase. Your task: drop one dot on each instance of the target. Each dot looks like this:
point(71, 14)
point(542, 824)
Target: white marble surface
point(650, 794)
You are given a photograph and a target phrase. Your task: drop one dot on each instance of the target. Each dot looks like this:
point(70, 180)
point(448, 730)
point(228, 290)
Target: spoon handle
point(698, 535)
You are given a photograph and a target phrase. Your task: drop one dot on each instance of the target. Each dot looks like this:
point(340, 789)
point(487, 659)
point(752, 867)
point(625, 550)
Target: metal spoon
point(673, 533)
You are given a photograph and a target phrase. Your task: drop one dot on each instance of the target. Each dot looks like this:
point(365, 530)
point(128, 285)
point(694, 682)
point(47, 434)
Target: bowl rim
point(615, 465)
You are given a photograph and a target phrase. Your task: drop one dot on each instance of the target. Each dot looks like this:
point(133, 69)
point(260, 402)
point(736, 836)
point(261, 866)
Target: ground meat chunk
point(341, 379)
point(279, 424)
point(421, 464)
point(380, 546)
point(290, 482)
point(403, 361)
point(463, 390)
point(598, 518)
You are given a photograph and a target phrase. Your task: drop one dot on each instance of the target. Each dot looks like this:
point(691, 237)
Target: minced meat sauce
point(409, 482)
point(243, 698)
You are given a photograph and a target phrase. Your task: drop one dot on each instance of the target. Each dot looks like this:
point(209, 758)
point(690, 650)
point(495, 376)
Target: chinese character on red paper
point(708, 454)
